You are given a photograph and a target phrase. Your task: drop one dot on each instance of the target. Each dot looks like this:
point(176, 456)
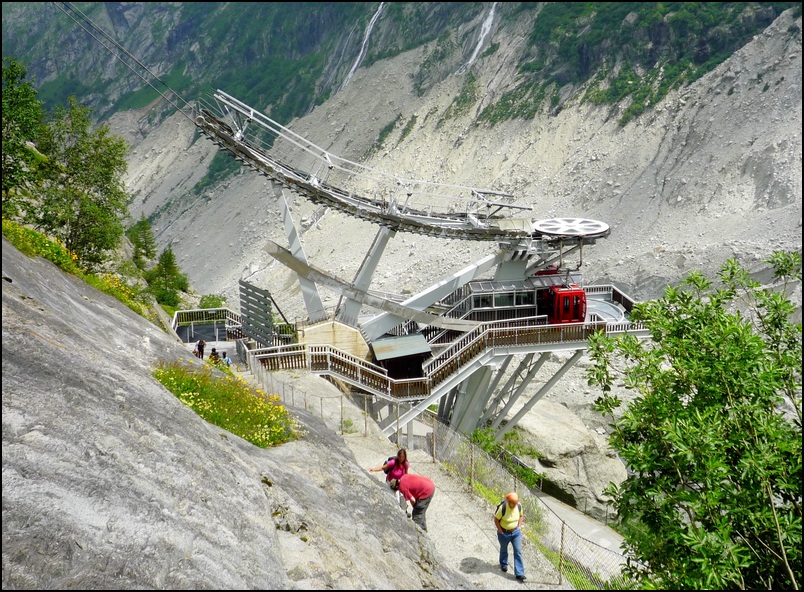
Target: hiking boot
point(504, 567)
point(520, 578)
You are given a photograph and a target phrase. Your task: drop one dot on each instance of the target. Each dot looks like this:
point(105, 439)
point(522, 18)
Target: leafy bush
point(230, 403)
point(713, 441)
point(166, 297)
point(212, 301)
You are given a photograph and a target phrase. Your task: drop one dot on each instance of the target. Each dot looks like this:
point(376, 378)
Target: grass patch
point(231, 404)
point(36, 244)
point(348, 427)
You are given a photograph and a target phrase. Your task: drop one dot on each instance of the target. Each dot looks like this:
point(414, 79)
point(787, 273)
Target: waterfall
point(484, 30)
point(362, 53)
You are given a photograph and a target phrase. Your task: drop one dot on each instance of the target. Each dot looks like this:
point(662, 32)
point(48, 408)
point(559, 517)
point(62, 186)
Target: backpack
point(386, 469)
point(504, 505)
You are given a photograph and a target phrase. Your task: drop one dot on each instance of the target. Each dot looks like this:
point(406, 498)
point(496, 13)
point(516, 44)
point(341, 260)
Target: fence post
point(471, 465)
point(561, 555)
point(305, 400)
point(322, 407)
point(365, 415)
point(398, 435)
point(341, 415)
point(434, 440)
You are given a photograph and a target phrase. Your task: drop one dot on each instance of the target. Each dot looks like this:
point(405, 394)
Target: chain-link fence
point(582, 563)
point(587, 565)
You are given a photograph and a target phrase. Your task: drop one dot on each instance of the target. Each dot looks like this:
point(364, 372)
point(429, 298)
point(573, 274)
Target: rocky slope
point(110, 482)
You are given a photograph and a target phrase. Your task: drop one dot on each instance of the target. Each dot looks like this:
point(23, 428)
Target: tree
point(166, 279)
point(712, 441)
point(83, 195)
point(22, 119)
point(142, 238)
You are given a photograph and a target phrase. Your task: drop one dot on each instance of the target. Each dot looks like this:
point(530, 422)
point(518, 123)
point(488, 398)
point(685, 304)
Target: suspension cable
point(83, 21)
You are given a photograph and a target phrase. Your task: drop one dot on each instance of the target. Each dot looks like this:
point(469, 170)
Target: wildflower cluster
point(114, 286)
point(230, 403)
point(36, 244)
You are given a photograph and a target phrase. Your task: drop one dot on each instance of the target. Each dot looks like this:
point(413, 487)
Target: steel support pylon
point(312, 299)
point(348, 313)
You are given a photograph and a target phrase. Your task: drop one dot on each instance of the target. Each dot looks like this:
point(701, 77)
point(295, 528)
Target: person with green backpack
point(508, 519)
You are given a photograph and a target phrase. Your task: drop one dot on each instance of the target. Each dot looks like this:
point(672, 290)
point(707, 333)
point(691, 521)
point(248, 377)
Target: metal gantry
point(452, 343)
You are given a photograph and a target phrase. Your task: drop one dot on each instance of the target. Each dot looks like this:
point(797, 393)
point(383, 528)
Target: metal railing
point(229, 320)
point(328, 360)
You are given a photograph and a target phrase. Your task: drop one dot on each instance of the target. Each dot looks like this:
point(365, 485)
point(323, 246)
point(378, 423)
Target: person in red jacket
point(418, 490)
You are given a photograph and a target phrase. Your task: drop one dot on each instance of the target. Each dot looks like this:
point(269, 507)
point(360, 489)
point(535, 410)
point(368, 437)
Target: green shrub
point(212, 301)
point(167, 297)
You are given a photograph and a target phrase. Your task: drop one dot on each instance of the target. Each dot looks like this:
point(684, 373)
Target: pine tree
point(142, 239)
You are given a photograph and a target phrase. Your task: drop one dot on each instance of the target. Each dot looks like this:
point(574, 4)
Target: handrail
point(205, 315)
point(325, 359)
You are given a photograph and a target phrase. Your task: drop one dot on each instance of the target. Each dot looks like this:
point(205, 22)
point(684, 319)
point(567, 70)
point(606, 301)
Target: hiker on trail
point(226, 359)
point(508, 520)
point(394, 468)
point(214, 357)
point(418, 490)
point(200, 347)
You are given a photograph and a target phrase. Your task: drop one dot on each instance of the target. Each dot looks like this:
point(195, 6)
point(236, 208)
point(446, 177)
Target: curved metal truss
point(434, 209)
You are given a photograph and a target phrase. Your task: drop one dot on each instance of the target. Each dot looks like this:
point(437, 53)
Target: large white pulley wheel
point(575, 227)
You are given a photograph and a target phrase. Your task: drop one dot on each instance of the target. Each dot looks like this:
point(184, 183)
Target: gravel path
point(459, 523)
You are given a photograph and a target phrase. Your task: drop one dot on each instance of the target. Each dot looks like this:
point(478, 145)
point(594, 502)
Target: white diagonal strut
point(321, 277)
point(312, 299)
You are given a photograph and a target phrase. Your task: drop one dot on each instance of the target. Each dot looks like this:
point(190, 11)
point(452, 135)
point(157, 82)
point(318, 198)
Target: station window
point(503, 300)
point(482, 301)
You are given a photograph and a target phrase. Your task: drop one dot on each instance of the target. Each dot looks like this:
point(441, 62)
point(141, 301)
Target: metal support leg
point(477, 394)
point(493, 386)
point(312, 299)
point(349, 312)
point(532, 369)
point(535, 399)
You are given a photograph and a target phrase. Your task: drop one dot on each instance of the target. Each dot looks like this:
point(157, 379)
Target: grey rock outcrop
point(109, 481)
point(578, 463)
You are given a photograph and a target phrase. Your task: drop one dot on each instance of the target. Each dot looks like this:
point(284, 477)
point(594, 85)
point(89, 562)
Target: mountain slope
point(713, 172)
point(111, 482)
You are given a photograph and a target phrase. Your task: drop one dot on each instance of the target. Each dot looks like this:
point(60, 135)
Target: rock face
point(577, 462)
point(109, 481)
